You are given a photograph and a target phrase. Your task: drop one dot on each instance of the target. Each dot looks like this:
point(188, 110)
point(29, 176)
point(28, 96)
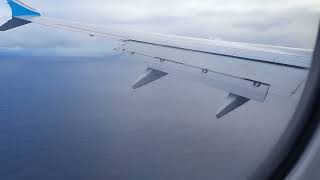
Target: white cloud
point(279, 22)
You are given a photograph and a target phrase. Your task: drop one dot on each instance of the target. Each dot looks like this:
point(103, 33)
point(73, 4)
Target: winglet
point(13, 23)
point(18, 8)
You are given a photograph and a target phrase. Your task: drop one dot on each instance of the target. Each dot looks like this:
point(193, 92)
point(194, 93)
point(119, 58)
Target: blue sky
point(283, 22)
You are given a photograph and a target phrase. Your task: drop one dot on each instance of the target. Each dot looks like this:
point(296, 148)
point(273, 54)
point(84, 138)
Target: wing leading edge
point(245, 71)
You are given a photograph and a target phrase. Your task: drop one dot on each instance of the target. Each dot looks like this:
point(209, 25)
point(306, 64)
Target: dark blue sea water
point(77, 118)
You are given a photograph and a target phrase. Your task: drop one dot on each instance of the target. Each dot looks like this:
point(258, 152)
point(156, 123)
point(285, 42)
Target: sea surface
point(77, 118)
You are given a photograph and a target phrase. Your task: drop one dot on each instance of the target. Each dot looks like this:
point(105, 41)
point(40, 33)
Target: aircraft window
point(152, 89)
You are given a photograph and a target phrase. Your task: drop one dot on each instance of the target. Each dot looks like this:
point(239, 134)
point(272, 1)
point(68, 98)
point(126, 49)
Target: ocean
point(78, 118)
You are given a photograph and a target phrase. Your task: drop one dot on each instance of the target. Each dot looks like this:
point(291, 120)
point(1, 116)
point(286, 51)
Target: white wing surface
point(245, 71)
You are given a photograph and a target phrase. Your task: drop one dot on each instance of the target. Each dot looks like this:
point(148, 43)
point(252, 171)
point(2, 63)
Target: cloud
point(282, 22)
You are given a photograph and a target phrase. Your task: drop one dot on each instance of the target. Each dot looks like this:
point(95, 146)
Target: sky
point(290, 23)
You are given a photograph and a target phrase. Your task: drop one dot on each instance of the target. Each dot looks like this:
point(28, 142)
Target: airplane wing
point(244, 71)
